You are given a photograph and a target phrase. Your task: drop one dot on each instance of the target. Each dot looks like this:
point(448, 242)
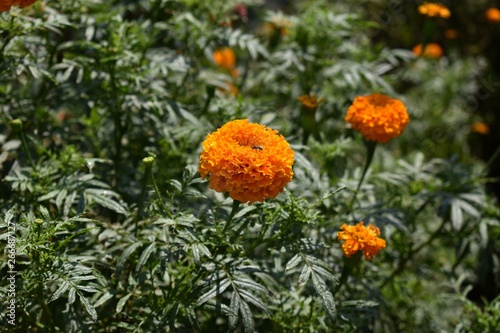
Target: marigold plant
point(5, 5)
point(378, 117)
point(434, 10)
point(432, 50)
point(249, 161)
point(360, 238)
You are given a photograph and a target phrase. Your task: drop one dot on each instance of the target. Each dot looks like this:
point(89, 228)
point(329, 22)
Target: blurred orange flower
point(434, 10)
point(360, 238)
point(310, 102)
point(6, 4)
point(479, 127)
point(493, 15)
point(225, 58)
point(249, 161)
point(432, 50)
point(378, 117)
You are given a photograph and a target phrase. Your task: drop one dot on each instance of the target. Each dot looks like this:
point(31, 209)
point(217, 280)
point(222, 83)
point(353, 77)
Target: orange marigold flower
point(432, 50)
point(360, 238)
point(434, 10)
point(6, 4)
point(310, 102)
point(493, 15)
point(249, 161)
point(479, 127)
point(378, 117)
point(225, 58)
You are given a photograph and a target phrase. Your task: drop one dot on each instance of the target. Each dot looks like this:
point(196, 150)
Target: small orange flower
point(434, 10)
point(310, 102)
point(493, 15)
point(378, 117)
point(432, 50)
point(479, 127)
point(249, 161)
point(360, 238)
point(6, 4)
point(225, 58)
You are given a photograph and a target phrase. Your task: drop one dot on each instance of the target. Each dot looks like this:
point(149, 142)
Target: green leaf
point(249, 297)
point(218, 289)
point(305, 275)
point(123, 258)
point(145, 256)
point(246, 317)
point(121, 303)
point(293, 262)
point(60, 291)
point(89, 307)
point(326, 296)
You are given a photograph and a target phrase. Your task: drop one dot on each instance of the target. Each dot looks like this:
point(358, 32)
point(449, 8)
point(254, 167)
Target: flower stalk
point(17, 125)
point(370, 147)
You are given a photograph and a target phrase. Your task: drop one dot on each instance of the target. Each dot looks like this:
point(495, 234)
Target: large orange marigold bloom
point(249, 161)
point(378, 117)
point(432, 50)
point(360, 238)
point(493, 15)
point(6, 4)
point(434, 10)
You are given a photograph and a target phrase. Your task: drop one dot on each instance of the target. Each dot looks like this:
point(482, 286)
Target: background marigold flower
point(378, 117)
point(493, 15)
point(5, 5)
point(479, 127)
point(360, 238)
point(310, 102)
point(434, 10)
point(249, 161)
point(432, 50)
point(225, 58)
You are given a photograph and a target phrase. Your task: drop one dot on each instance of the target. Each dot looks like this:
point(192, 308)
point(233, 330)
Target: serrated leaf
point(304, 275)
point(103, 299)
point(145, 256)
point(249, 297)
point(218, 289)
point(246, 317)
point(89, 307)
point(71, 296)
point(326, 296)
point(60, 291)
point(123, 258)
point(121, 303)
point(235, 306)
point(293, 262)
point(250, 284)
point(106, 202)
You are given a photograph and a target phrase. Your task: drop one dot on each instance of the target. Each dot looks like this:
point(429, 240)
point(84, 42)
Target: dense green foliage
point(107, 241)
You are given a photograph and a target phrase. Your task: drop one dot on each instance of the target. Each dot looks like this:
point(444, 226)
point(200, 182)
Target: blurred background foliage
point(99, 85)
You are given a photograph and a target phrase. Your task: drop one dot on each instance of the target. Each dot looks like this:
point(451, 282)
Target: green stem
point(236, 205)
point(493, 158)
point(157, 191)
point(411, 253)
point(370, 146)
point(346, 271)
point(141, 198)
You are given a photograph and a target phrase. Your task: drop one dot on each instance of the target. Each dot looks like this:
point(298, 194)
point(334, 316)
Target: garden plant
point(247, 166)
